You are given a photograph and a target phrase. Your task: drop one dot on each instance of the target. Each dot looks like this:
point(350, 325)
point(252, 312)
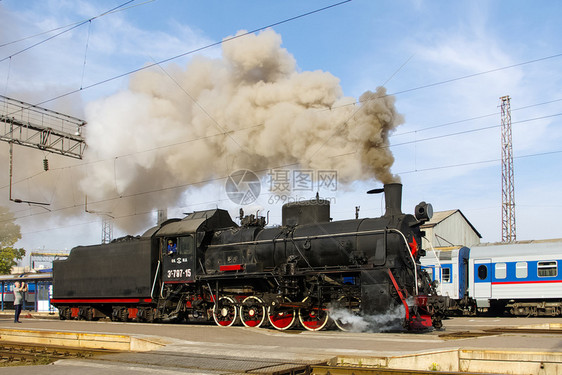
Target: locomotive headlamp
point(424, 211)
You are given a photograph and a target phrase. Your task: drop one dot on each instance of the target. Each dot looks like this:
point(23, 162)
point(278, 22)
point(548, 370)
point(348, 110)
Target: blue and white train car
point(522, 278)
point(448, 268)
point(36, 298)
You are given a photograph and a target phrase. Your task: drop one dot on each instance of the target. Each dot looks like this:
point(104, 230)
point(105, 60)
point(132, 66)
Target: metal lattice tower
point(107, 229)
point(508, 191)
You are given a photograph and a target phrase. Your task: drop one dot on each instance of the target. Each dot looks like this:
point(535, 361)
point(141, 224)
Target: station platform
point(465, 345)
point(30, 314)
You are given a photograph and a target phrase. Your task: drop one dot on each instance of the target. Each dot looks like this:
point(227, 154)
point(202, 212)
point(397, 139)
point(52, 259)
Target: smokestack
point(393, 199)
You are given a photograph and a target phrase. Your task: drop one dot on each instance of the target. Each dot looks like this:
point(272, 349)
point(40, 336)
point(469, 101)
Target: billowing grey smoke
point(250, 109)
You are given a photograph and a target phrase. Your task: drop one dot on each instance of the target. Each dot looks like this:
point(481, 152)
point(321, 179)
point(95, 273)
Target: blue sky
point(447, 64)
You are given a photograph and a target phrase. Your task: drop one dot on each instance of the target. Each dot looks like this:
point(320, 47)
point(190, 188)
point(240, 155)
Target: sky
point(171, 111)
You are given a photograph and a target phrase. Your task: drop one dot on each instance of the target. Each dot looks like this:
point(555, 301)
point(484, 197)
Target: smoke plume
point(252, 108)
point(389, 321)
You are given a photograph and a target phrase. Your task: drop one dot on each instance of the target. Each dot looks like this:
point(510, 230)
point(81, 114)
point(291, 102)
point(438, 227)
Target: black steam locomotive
point(306, 269)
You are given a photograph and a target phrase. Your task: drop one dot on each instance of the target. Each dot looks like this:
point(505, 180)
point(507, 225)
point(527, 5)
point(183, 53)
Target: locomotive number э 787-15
point(179, 273)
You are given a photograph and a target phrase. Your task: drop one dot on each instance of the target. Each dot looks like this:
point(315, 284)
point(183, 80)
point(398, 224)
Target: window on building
point(521, 270)
point(501, 270)
point(547, 268)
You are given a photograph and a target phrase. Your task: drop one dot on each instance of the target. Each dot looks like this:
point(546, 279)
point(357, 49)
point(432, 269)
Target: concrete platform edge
point(81, 340)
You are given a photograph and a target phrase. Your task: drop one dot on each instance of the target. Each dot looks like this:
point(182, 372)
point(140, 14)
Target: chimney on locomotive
point(393, 203)
point(392, 198)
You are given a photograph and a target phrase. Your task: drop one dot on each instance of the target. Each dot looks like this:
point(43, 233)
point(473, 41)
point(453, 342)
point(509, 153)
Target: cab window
point(185, 246)
point(170, 246)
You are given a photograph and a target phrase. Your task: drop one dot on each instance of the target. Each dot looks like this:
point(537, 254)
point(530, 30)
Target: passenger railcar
point(32, 280)
point(520, 278)
point(219, 271)
point(448, 268)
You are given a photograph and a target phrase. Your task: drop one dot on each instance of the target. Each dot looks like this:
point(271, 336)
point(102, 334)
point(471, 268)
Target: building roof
point(440, 216)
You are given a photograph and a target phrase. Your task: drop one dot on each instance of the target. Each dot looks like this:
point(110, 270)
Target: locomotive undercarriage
point(312, 300)
point(280, 302)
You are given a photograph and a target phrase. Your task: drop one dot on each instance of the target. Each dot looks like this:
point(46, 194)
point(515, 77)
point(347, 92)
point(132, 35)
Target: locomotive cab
point(178, 257)
point(181, 244)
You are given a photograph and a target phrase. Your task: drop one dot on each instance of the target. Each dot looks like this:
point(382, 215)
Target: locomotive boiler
point(308, 270)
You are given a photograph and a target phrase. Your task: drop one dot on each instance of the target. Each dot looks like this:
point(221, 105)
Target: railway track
point(499, 331)
point(537, 331)
point(347, 370)
point(43, 354)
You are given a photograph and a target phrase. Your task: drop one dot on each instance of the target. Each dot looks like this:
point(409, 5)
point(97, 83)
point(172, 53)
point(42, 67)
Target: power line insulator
point(46, 164)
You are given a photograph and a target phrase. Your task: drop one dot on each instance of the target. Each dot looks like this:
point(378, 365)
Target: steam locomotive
point(304, 270)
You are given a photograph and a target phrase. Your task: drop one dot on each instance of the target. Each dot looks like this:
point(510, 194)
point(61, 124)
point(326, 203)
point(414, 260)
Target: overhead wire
point(64, 31)
point(214, 179)
point(221, 178)
point(395, 93)
point(228, 39)
point(196, 102)
point(472, 130)
point(473, 118)
point(293, 164)
point(121, 9)
point(175, 57)
point(183, 142)
point(480, 162)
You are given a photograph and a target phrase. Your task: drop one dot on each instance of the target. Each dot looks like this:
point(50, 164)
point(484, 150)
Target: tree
point(9, 234)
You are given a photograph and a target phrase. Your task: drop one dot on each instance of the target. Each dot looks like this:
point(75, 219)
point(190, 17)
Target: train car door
point(463, 256)
point(482, 278)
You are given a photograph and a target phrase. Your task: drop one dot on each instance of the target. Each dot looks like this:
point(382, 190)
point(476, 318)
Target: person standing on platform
point(19, 289)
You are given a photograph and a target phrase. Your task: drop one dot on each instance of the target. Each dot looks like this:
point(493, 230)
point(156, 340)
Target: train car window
point(547, 269)
point(501, 270)
point(521, 270)
point(482, 272)
point(446, 275)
